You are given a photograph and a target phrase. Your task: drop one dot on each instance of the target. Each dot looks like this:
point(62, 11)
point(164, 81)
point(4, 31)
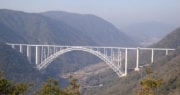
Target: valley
point(94, 76)
point(84, 73)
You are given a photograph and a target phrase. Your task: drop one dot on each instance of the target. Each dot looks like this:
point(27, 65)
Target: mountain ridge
point(34, 27)
point(93, 26)
point(148, 33)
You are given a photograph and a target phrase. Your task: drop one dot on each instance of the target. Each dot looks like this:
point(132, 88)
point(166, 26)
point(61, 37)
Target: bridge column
point(48, 52)
point(166, 52)
point(152, 55)
point(13, 46)
point(54, 49)
point(21, 48)
point(111, 54)
point(137, 60)
point(105, 52)
point(119, 58)
point(29, 53)
point(37, 55)
point(126, 55)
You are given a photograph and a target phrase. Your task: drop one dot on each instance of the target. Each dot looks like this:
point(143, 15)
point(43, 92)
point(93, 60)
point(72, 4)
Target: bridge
point(43, 55)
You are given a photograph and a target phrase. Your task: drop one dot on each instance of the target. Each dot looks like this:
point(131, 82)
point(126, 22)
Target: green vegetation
point(49, 87)
point(17, 68)
point(169, 71)
point(148, 85)
point(10, 88)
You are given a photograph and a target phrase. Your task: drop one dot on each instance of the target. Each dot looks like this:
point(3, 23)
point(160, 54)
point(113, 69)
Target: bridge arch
point(45, 54)
point(104, 58)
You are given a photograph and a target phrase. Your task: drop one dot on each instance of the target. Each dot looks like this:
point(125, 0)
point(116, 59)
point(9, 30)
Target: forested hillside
point(36, 28)
point(165, 68)
point(16, 67)
point(168, 69)
point(20, 27)
point(98, 29)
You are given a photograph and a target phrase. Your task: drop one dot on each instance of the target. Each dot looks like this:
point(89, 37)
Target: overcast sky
point(119, 12)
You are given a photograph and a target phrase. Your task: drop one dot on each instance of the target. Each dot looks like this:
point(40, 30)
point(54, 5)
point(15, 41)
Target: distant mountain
point(172, 40)
point(149, 32)
point(59, 28)
point(20, 27)
point(98, 29)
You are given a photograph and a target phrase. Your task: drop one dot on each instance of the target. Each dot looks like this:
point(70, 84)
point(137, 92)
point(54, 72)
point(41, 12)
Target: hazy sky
point(119, 12)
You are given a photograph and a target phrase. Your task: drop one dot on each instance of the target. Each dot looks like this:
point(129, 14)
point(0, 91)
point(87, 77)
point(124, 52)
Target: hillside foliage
point(148, 85)
point(49, 87)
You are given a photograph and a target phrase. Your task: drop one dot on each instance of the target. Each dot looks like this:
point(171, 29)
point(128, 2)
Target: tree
point(73, 88)
point(51, 87)
point(148, 85)
point(9, 88)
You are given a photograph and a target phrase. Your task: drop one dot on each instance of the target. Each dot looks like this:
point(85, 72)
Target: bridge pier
point(152, 55)
point(137, 60)
point(21, 48)
point(126, 60)
point(37, 55)
point(29, 53)
point(13, 46)
point(119, 58)
point(166, 52)
point(48, 52)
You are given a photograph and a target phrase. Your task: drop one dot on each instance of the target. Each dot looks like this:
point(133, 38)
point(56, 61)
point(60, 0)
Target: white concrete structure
point(112, 56)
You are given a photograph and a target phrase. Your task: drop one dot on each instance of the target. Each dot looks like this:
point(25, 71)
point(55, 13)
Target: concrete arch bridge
point(112, 56)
